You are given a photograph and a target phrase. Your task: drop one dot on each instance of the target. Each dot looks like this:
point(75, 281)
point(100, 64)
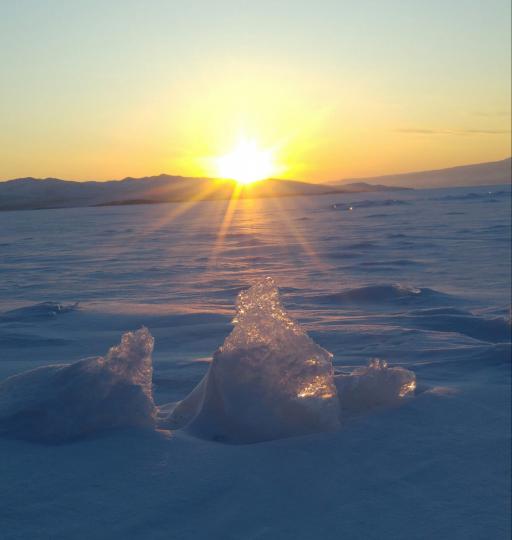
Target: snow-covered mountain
point(479, 174)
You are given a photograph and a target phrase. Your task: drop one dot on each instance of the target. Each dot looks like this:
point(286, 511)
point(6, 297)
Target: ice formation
point(376, 385)
point(64, 402)
point(268, 380)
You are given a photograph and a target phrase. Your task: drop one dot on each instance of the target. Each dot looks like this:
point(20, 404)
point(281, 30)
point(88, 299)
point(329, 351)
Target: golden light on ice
point(319, 386)
point(407, 388)
point(246, 163)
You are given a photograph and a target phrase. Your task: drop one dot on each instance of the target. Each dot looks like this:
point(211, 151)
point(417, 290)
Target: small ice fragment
point(374, 386)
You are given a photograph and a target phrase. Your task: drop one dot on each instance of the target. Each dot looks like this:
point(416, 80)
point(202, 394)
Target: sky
point(108, 89)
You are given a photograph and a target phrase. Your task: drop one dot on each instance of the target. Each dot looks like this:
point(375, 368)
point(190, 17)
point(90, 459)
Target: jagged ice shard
point(267, 381)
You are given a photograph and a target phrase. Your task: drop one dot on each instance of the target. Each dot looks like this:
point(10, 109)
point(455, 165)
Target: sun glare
point(246, 163)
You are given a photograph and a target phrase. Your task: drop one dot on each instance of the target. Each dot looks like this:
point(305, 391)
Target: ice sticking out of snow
point(376, 385)
point(268, 380)
point(60, 403)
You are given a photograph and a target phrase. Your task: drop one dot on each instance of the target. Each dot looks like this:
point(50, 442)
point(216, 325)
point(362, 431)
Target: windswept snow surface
point(423, 285)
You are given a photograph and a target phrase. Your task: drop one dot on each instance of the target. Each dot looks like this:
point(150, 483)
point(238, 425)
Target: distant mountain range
point(32, 193)
point(480, 174)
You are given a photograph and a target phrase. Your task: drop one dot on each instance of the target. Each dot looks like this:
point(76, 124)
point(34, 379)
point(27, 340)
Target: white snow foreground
point(269, 380)
point(61, 403)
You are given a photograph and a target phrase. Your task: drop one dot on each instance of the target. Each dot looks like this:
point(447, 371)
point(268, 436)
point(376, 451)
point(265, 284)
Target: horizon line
point(346, 179)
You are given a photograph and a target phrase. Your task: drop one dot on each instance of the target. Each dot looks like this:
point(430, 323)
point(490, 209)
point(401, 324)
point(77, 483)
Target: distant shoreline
point(140, 202)
point(52, 193)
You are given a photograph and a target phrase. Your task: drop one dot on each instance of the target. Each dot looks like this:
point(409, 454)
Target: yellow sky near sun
point(338, 92)
point(314, 135)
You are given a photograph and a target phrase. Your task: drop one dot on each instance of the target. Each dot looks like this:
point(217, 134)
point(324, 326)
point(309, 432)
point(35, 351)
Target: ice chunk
point(374, 386)
point(268, 380)
point(65, 402)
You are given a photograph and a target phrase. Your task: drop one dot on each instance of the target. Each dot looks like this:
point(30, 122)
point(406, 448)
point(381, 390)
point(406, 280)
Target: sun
point(246, 163)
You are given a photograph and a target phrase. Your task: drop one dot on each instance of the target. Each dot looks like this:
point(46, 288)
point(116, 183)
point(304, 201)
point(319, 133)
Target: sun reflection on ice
point(407, 389)
point(318, 387)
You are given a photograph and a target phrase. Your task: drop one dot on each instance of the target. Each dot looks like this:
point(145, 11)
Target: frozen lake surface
point(418, 278)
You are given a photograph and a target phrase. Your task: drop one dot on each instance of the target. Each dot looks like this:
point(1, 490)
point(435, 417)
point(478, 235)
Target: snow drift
point(385, 294)
point(60, 403)
point(270, 380)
